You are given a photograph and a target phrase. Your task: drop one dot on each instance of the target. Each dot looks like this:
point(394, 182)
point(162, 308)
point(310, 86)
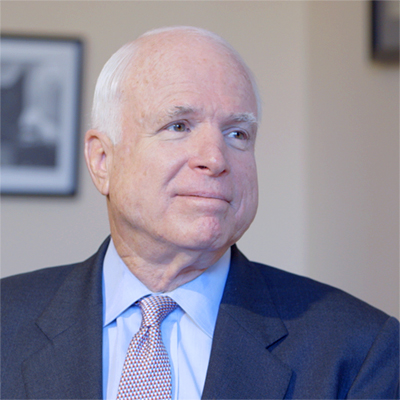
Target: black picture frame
point(385, 30)
point(41, 79)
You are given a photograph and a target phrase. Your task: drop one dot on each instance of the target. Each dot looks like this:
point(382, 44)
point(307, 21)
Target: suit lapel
point(241, 366)
point(70, 364)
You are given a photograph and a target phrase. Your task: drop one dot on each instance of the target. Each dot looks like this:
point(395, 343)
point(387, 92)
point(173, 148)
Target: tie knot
point(155, 309)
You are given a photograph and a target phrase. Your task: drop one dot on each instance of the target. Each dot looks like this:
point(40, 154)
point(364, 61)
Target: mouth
point(206, 196)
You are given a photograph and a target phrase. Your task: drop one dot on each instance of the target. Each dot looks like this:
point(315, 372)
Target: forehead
point(172, 69)
point(170, 49)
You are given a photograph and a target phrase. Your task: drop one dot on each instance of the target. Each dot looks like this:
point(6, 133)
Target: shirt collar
point(199, 298)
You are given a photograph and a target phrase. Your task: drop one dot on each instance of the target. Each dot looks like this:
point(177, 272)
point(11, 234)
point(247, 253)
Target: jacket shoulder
point(25, 293)
point(28, 293)
point(351, 344)
point(296, 295)
point(43, 312)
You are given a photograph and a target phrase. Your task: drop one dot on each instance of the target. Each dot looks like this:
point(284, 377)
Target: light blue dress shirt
point(187, 332)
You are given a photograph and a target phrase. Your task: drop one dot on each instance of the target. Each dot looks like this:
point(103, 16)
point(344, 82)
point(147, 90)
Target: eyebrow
point(244, 117)
point(174, 112)
point(178, 111)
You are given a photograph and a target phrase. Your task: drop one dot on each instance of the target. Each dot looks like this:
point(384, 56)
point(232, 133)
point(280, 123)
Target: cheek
point(247, 186)
point(142, 177)
point(246, 178)
point(125, 179)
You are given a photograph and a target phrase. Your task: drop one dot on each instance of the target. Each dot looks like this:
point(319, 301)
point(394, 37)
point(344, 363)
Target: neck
point(163, 268)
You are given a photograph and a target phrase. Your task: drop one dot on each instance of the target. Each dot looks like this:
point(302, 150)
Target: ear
point(99, 155)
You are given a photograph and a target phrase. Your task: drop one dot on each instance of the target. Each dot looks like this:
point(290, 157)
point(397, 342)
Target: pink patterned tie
point(147, 372)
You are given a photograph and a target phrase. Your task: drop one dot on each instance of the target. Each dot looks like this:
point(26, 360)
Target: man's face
point(184, 172)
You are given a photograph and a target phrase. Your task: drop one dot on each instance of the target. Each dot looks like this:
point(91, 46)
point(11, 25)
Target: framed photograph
point(385, 30)
point(40, 114)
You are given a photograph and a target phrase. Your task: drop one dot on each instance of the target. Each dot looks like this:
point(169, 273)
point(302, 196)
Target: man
point(172, 149)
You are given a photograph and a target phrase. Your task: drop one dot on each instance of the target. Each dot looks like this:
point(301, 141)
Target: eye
point(240, 138)
point(178, 127)
point(237, 134)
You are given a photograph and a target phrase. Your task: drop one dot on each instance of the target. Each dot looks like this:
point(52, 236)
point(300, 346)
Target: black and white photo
point(385, 30)
point(40, 93)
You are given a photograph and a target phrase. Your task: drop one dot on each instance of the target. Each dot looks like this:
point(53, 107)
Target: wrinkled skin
point(181, 181)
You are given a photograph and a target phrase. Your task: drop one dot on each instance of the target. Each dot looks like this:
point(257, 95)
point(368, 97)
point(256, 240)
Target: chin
point(207, 233)
point(206, 240)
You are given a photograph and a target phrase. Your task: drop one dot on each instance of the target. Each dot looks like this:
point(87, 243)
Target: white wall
point(352, 157)
point(327, 148)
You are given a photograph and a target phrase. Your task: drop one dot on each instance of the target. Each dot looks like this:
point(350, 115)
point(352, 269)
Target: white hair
point(106, 109)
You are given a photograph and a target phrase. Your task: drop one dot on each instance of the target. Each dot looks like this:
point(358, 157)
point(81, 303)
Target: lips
point(205, 195)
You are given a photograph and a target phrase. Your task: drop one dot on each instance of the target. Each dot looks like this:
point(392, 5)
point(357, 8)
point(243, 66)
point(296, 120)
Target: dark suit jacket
point(277, 336)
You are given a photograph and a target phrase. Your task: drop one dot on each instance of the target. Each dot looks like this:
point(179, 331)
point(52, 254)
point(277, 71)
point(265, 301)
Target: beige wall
point(352, 157)
point(327, 147)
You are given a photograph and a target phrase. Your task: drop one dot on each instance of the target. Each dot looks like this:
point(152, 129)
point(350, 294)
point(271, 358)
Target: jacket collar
point(241, 366)
point(72, 324)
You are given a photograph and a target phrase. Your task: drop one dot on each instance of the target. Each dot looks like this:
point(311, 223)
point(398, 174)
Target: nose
point(209, 153)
